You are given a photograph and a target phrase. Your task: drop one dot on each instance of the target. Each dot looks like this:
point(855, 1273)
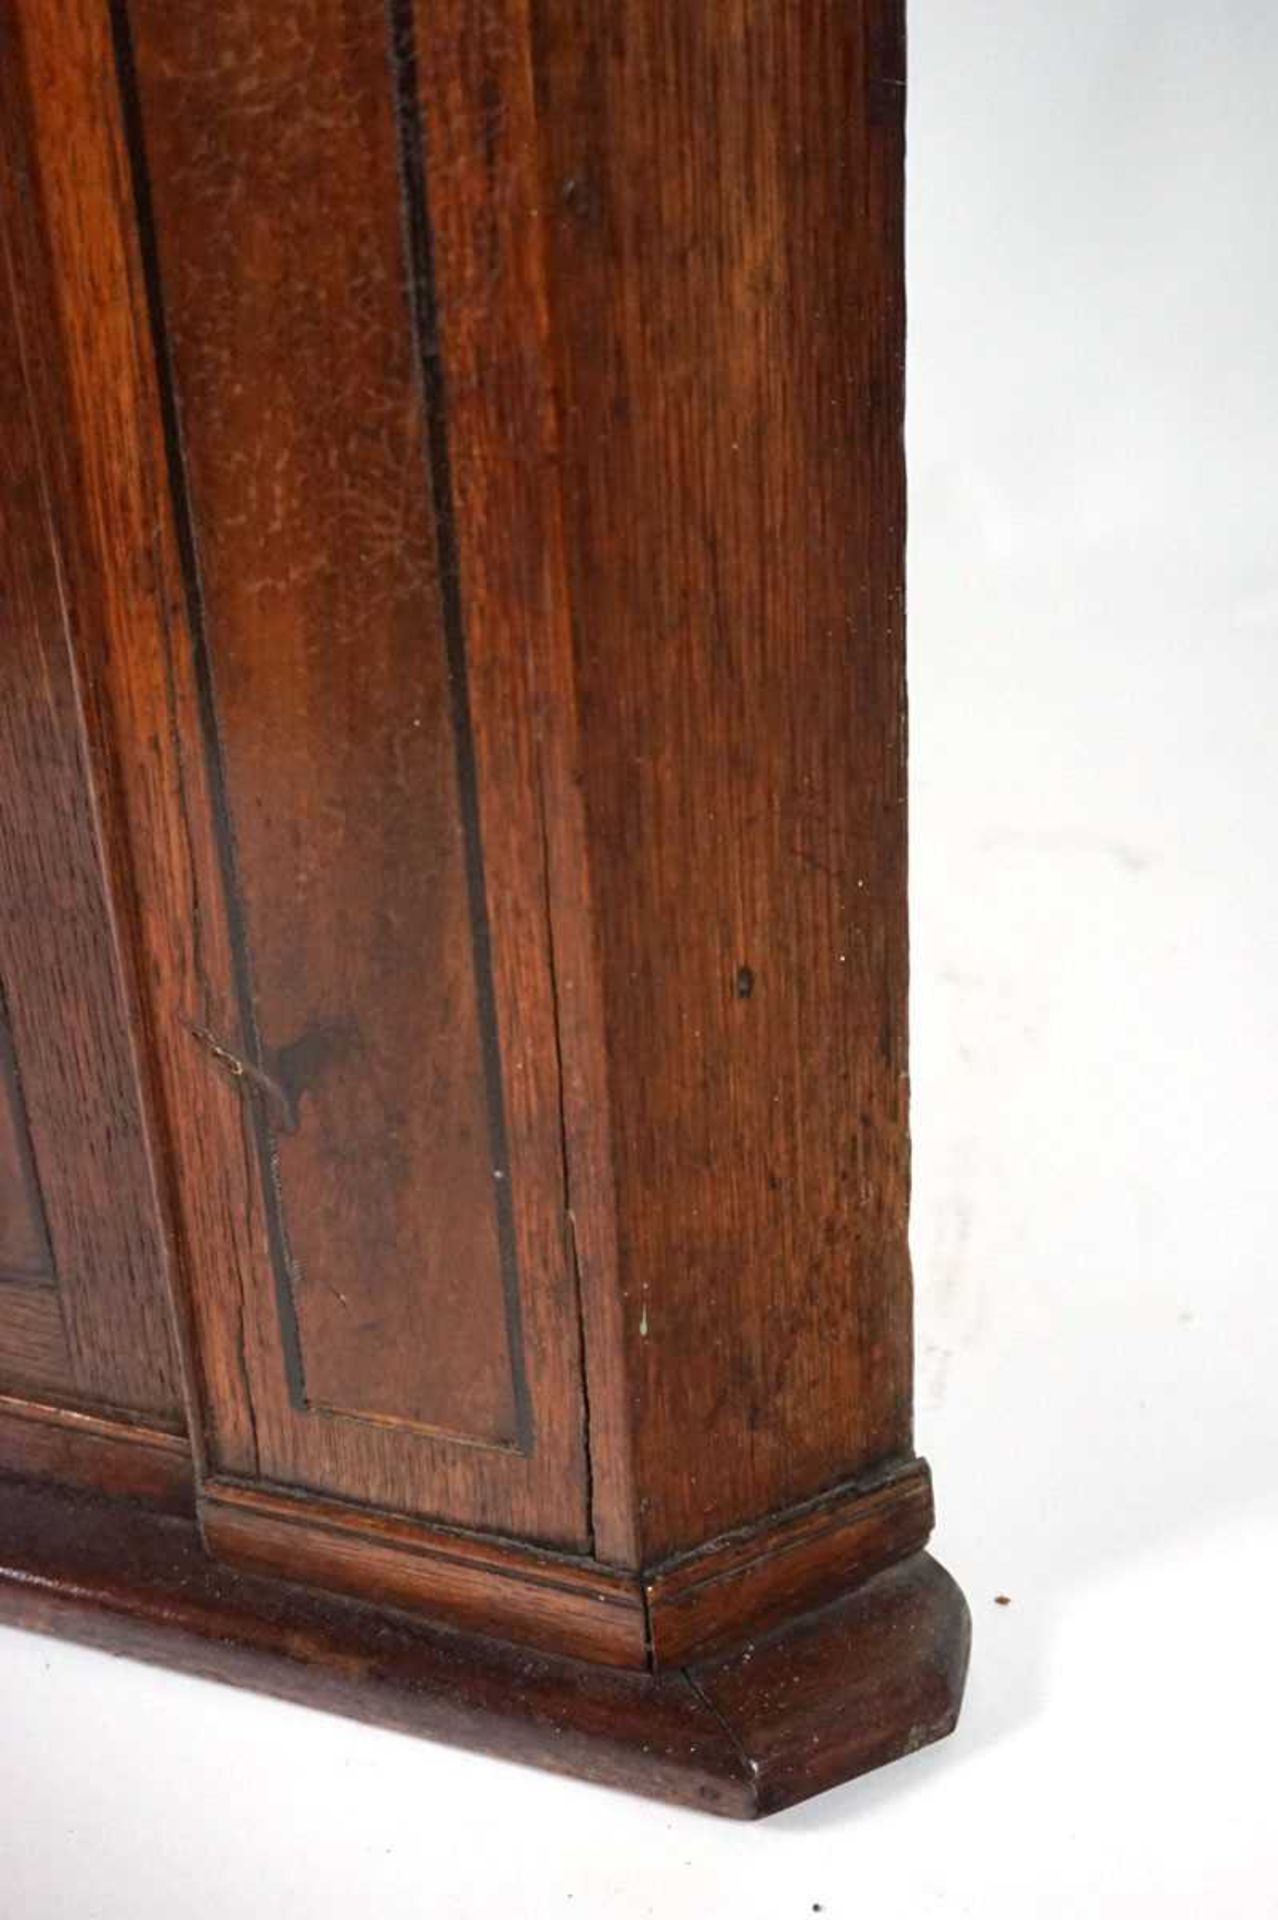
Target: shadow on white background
point(1094, 436)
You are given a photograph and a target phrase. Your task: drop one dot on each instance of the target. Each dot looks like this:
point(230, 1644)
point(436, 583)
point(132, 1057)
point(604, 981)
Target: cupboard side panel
point(723, 186)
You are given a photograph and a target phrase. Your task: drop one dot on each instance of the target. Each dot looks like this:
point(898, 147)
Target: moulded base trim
point(704, 1602)
point(103, 1452)
point(858, 1683)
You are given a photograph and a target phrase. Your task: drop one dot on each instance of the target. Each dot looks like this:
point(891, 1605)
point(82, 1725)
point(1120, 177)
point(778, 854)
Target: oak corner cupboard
point(453, 1101)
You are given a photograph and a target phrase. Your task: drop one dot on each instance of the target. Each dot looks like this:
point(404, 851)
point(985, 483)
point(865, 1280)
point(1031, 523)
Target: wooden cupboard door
point(83, 1316)
point(322, 690)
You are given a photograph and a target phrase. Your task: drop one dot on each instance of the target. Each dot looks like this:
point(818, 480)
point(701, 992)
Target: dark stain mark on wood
point(297, 1067)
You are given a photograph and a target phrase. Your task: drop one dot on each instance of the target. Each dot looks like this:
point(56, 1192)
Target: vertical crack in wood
point(423, 302)
point(565, 1164)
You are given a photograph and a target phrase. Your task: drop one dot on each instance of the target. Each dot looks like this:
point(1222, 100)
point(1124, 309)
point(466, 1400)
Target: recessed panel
point(297, 298)
point(83, 1314)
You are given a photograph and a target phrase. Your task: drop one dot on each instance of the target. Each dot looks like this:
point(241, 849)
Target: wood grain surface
point(336, 707)
point(142, 662)
point(749, 1582)
point(853, 1686)
point(723, 193)
point(25, 1254)
point(41, 1440)
point(561, 1603)
point(454, 520)
point(73, 1143)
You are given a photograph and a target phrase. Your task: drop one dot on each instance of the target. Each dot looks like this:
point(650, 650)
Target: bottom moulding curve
point(866, 1679)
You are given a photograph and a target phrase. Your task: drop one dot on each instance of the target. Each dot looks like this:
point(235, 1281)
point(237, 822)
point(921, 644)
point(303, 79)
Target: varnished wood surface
point(754, 1580)
point(526, 1473)
point(849, 1688)
point(455, 529)
point(98, 381)
point(24, 1236)
point(697, 952)
point(101, 1336)
point(72, 1448)
point(90, 382)
point(715, 1598)
point(274, 173)
point(34, 1350)
point(476, 88)
point(741, 736)
point(559, 1603)
point(859, 1683)
point(723, 192)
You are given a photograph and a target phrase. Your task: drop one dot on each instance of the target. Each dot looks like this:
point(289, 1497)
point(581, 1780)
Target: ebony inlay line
point(283, 1268)
point(424, 302)
point(424, 320)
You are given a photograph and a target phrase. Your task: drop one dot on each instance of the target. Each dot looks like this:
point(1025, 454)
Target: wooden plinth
point(859, 1683)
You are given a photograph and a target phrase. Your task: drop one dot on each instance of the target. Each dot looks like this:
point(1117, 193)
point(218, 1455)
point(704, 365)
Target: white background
point(1094, 577)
